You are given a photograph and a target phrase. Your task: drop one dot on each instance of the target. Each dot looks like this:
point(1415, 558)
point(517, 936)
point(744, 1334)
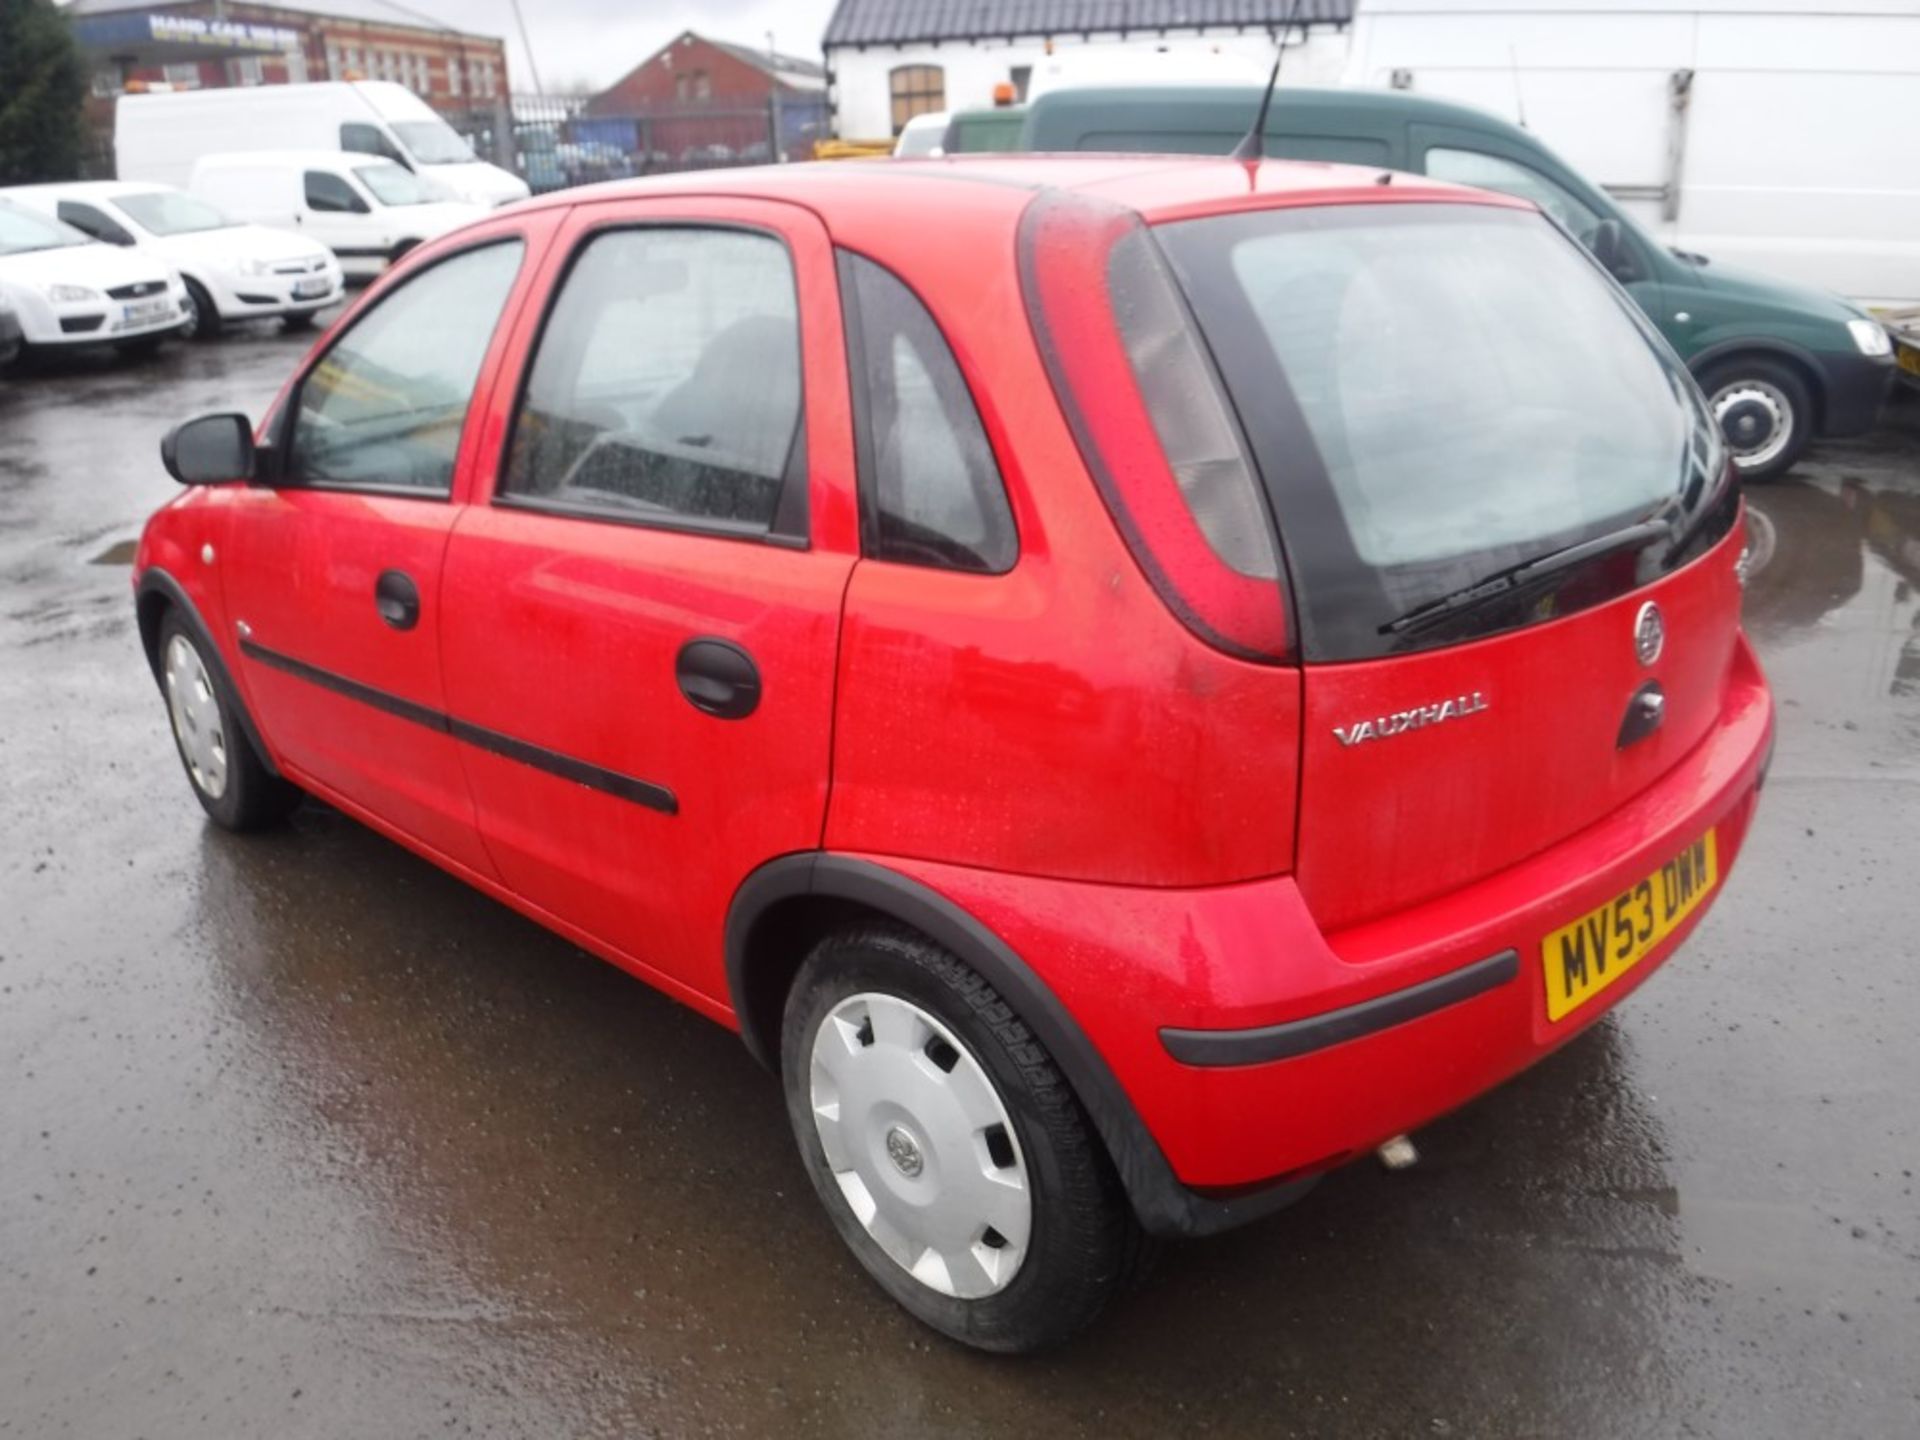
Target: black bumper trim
point(1316, 1032)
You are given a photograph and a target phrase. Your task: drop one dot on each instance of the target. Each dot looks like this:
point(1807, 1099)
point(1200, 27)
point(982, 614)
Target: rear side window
point(930, 493)
point(330, 192)
point(367, 140)
point(666, 386)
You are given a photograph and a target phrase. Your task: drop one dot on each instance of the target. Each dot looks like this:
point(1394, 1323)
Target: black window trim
point(791, 526)
point(98, 214)
point(279, 475)
point(866, 469)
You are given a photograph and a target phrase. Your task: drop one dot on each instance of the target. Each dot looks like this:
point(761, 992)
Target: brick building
point(692, 70)
point(199, 44)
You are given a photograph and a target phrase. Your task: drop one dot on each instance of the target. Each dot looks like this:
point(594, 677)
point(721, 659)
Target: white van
point(1777, 134)
point(160, 136)
point(233, 271)
point(368, 211)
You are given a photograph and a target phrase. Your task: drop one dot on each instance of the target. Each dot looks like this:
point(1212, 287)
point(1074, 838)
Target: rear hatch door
point(1507, 521)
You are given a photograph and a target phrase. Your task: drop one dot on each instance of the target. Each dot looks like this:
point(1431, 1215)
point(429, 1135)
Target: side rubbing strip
point(581, 772)
point(1316, 1032)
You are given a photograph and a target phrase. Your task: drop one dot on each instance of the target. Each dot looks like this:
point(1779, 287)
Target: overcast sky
point(598, 41)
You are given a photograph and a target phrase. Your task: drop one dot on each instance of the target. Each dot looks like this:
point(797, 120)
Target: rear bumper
point(1854, 388)
point(1321, 1046)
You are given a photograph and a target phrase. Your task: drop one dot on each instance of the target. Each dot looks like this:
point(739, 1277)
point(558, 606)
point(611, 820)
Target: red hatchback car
point(1130, 682)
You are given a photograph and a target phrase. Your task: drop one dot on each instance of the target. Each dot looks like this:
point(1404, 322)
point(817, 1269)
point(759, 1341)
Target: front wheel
point(203, 316)
point(229, 780)
point(1765, 411)
point(951, 1154)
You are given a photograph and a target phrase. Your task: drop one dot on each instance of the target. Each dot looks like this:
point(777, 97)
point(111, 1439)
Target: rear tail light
point(1151, 419)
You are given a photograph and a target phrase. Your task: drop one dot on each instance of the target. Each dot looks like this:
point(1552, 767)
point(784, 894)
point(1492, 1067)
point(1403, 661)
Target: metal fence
point(553, 141)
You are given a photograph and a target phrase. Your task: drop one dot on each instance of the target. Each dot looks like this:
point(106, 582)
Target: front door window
point(385, 406)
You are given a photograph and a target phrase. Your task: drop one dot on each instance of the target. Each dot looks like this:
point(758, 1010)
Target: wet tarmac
point(300, 1137)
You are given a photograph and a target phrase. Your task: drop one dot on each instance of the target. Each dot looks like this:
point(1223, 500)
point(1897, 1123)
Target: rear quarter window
point(930, 491)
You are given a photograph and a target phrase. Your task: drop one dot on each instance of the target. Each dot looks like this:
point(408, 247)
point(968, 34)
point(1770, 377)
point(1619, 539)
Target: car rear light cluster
point(1151, 419)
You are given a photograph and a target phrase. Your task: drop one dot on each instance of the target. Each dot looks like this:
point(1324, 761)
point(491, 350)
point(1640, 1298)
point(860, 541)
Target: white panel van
point(368, 211)
point(158, 137)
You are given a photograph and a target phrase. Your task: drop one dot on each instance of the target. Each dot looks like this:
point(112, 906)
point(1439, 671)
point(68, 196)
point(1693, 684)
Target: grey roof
point(773, 62)
point(898, 22)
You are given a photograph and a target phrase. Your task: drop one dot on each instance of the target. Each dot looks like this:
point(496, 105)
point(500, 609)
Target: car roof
point(1055, 116)
point(1158, 187)
point(244, 159)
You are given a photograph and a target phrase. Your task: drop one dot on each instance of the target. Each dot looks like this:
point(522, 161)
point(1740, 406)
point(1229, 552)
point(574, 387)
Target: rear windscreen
point(1436, 393)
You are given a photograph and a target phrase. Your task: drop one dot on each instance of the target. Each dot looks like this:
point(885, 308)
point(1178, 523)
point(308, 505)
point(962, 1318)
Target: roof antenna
point(1253, 145)
point(1519, 98)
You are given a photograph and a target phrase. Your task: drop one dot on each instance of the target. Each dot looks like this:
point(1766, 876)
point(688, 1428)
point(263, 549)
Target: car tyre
point(204, 321)
point(926, 1111)
point(231, 782)
point(1764, 409)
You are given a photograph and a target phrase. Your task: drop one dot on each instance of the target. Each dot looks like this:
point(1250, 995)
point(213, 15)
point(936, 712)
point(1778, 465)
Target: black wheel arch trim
point(156, 581)
point(1163, 1204)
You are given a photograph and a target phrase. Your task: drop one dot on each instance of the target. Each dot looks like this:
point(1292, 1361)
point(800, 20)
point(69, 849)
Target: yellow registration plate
point(1583, 958)
point(1908, 356)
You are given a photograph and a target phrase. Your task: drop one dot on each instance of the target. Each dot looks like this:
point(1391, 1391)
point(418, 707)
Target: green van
point(971, 132)
point(1780, 363)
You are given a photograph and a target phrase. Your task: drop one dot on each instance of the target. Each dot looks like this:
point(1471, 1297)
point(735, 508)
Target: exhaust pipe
point(1398, 1153)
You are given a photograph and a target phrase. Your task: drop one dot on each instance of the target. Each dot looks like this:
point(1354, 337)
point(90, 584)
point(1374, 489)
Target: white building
point(889, 60)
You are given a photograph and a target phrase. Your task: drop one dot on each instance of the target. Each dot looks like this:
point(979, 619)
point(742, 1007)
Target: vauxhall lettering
point(1417, 718)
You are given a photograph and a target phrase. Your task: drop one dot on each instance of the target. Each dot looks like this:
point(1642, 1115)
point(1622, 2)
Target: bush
point(43, 85)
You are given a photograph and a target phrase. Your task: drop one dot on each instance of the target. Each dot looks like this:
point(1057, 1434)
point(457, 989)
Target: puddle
point(118, 553)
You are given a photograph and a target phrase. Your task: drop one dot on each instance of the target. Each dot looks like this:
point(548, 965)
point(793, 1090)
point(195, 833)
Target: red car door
point(332, 571)
point(642, 603)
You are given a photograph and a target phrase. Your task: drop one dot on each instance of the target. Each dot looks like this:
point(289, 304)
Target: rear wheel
point(1764, 409)
point(951, 1154)
point(231, 783)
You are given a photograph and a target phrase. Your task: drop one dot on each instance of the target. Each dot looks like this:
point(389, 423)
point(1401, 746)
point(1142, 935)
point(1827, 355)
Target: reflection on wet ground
point(302, 1137)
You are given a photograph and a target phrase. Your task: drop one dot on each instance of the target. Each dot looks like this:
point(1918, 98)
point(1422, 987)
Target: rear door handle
point(397, 599)
point(718, 678)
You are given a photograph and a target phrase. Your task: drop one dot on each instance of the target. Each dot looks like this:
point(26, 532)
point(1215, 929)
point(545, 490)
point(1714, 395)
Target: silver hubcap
point(921, 1145)
point(196, 718)
point(1757, 420)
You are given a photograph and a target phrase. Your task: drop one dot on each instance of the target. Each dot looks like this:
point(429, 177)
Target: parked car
point(67, 291)
point(923, 135)
point(160, 137)
point(367, 212)
point(1780, 363)
point(232, 271)
point(1172, 674)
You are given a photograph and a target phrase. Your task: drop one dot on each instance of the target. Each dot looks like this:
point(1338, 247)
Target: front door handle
point(718, 678)
point(397, 599)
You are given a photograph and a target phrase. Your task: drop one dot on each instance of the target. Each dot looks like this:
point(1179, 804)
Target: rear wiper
point(1515, 577)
